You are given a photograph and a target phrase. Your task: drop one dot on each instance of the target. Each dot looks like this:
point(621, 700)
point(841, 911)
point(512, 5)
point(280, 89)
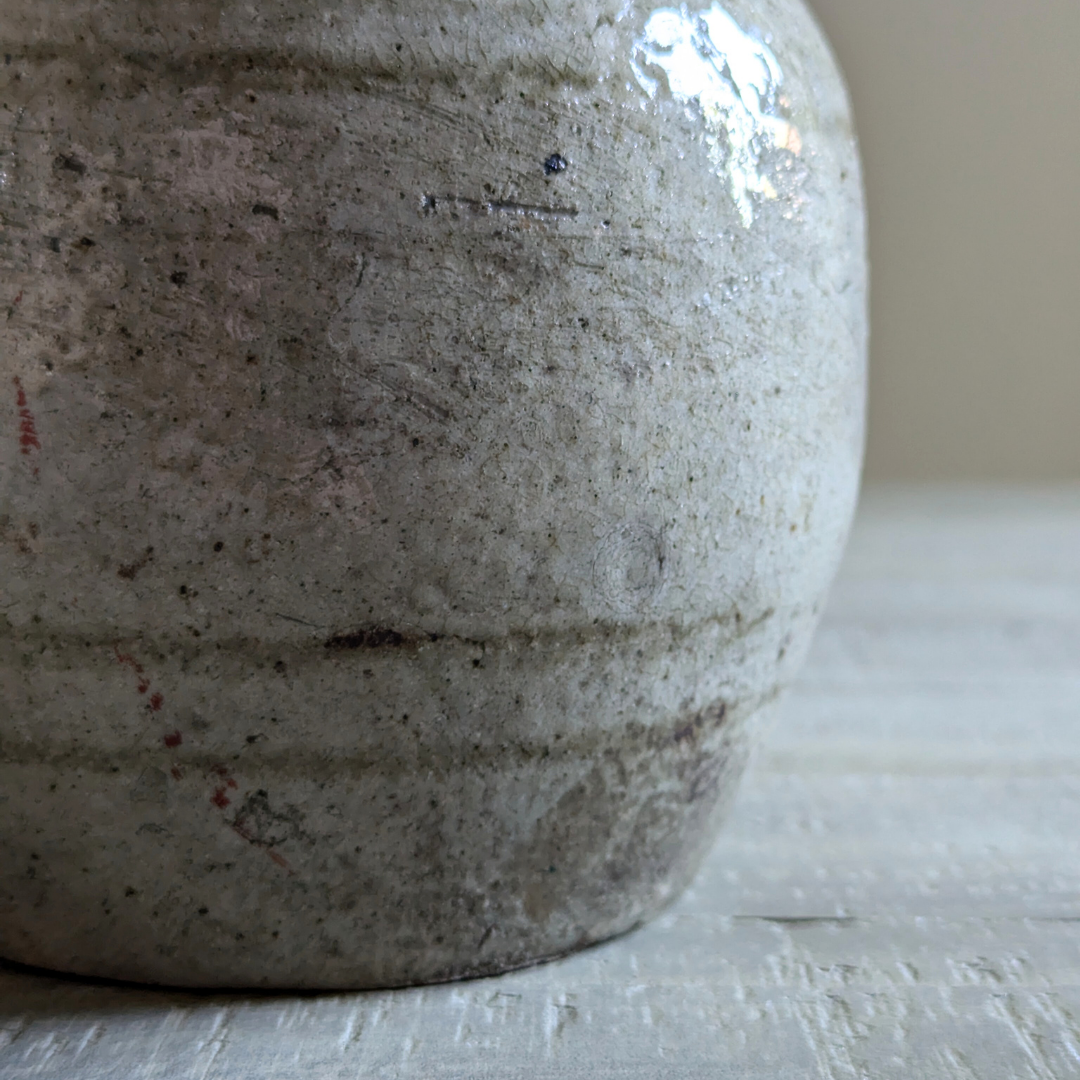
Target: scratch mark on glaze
point(241, 829)
point(292, 618)
point(432, 204)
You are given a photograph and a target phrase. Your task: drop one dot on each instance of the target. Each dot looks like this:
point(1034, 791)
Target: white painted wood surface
point(897, 893)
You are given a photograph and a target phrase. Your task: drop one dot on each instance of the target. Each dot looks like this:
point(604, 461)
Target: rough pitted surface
point(429, 432)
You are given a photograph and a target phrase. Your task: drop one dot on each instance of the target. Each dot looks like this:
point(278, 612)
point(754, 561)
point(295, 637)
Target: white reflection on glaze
point(735, 80)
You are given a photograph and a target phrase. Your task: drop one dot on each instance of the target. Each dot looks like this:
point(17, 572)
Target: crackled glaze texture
point(428, 430)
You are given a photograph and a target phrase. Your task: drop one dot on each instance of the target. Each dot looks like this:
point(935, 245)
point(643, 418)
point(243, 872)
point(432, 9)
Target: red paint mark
point(280, 860)
point(18, 299)
point(128, 661)
point(177, 772)
point(225, 773)
point(219, 798)
point(157, 699)
point(28, 436)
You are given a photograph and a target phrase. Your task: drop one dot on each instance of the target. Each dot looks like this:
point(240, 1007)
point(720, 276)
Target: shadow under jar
point(428, 430)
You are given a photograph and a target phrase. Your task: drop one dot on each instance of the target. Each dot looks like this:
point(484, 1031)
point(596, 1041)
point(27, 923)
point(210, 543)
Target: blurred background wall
point(969, 118)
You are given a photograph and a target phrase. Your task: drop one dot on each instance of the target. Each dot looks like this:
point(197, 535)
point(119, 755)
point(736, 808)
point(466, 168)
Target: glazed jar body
point(429, 433)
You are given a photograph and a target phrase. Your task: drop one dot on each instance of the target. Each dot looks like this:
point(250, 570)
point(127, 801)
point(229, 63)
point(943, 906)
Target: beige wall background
point(969, 119)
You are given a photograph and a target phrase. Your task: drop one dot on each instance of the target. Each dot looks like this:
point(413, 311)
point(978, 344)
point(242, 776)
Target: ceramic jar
point(428, 430)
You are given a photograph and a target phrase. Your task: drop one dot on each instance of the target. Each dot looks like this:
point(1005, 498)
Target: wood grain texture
point(897, 894)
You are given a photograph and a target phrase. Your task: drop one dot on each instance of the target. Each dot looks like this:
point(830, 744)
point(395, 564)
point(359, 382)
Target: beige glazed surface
point(427, 433)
